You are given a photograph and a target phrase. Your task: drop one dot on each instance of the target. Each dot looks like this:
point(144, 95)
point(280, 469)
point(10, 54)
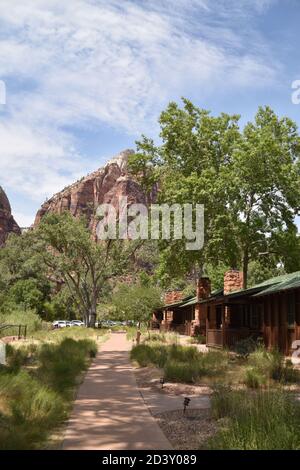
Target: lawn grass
point(37, 386)
point(258, 420)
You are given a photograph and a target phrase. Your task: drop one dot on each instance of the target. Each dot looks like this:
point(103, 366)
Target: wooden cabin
point(269, 310)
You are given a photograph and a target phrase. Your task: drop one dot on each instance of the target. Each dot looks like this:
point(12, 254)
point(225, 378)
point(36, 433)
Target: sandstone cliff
point(7, 222)
point(105, 185)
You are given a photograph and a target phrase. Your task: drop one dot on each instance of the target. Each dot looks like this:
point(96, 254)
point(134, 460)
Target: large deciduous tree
point(247, 180)
point(264, 189)
point(86, 267)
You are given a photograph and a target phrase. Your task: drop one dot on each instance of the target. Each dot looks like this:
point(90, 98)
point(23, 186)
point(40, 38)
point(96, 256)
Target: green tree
point(264, 190)
point(23, 277)
point(192, 165)
point(85, 267)
point(247, 180)
point(136, 301)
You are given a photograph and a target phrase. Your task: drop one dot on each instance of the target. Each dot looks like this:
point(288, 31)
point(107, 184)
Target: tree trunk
point(245, 268)
point(92, 317)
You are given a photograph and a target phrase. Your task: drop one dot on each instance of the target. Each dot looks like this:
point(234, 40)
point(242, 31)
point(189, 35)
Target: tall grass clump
point(21, 317)
point(31, 410)
point(270, 365)
point(34, 401)
point(59, 365)
point(180, 363)
point(262, 420)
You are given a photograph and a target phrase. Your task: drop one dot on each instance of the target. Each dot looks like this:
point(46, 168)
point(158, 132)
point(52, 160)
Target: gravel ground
point(150, 376)
point(189, 431)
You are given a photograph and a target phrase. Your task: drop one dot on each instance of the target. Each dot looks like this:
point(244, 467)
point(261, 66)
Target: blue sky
point(85, 78)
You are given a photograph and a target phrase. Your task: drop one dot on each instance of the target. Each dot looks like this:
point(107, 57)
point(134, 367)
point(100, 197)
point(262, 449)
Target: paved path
point(109, 412)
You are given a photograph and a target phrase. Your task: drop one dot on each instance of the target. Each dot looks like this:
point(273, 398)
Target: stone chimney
point(233, 281)
point(173, 296)
point(203, 288)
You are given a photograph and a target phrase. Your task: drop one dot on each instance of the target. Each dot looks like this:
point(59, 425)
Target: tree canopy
point(247, 179)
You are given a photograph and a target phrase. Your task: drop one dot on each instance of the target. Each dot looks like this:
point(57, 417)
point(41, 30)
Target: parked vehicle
point(77, 323)
point(60, 324)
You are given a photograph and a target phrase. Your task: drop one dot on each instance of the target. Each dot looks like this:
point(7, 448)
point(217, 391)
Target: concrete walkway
point(109, 412)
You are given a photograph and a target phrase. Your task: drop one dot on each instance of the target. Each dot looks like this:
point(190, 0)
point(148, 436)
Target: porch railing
point(214, 338)
point(231, 336)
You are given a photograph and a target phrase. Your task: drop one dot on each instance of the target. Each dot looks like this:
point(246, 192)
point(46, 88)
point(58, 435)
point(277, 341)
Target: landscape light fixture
point(186, 403)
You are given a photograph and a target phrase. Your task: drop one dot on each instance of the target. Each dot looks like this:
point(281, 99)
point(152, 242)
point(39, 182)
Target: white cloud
point(95, 61)
point(23, 220)
point(36, 163)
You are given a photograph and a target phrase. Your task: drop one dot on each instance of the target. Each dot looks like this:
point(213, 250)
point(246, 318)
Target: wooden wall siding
point(214, 338)
point(275, 329)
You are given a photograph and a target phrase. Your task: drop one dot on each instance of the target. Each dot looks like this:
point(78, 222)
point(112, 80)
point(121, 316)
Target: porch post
point(223, 326)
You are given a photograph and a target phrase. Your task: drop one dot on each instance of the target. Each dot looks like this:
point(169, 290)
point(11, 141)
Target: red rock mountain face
point(105, 185)
point(7, 222)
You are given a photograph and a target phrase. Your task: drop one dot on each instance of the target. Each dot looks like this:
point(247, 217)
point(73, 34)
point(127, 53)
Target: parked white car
point(60, 324)
point(77, 323)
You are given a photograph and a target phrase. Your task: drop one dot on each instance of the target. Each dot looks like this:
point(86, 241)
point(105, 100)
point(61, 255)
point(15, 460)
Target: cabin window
point(291, 310)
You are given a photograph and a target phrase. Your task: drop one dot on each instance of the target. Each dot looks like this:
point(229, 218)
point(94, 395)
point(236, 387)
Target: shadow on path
point(109, 412)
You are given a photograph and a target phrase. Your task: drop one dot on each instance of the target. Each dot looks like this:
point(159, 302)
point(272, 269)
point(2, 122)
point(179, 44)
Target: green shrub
point(182, 371)
point(37, 401)
point(60, 364)
point(253, 378)
point(16, 357)
point(32, 410)
point(146, 354)
point(21, 317)
point(246, 346)
point(183, 353)
point(180, 363)
point(156, 337)
point(272, 365)
point(265, 420)
point(199, 339)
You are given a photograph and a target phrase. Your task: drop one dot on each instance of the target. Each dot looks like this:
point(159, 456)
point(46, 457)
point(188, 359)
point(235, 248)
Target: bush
point(246, 346)
point(156, 337)
point(20, 317)
point(182, 371)
point(32, 409)
point(262, 420)
point(199, 339)
point(272, 365)
point(146, 355)
point(16, 357)
point(60, 364)
point(37, 401)
point(253, 378)
point(180, 363)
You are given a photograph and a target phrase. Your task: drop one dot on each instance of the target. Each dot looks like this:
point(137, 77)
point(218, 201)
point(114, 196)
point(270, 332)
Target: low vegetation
point(37, 386)
point(258, 369)
point(199, 339)
point(21, 317)
point(265, 367)
point(262, 420)
point(180, 363)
